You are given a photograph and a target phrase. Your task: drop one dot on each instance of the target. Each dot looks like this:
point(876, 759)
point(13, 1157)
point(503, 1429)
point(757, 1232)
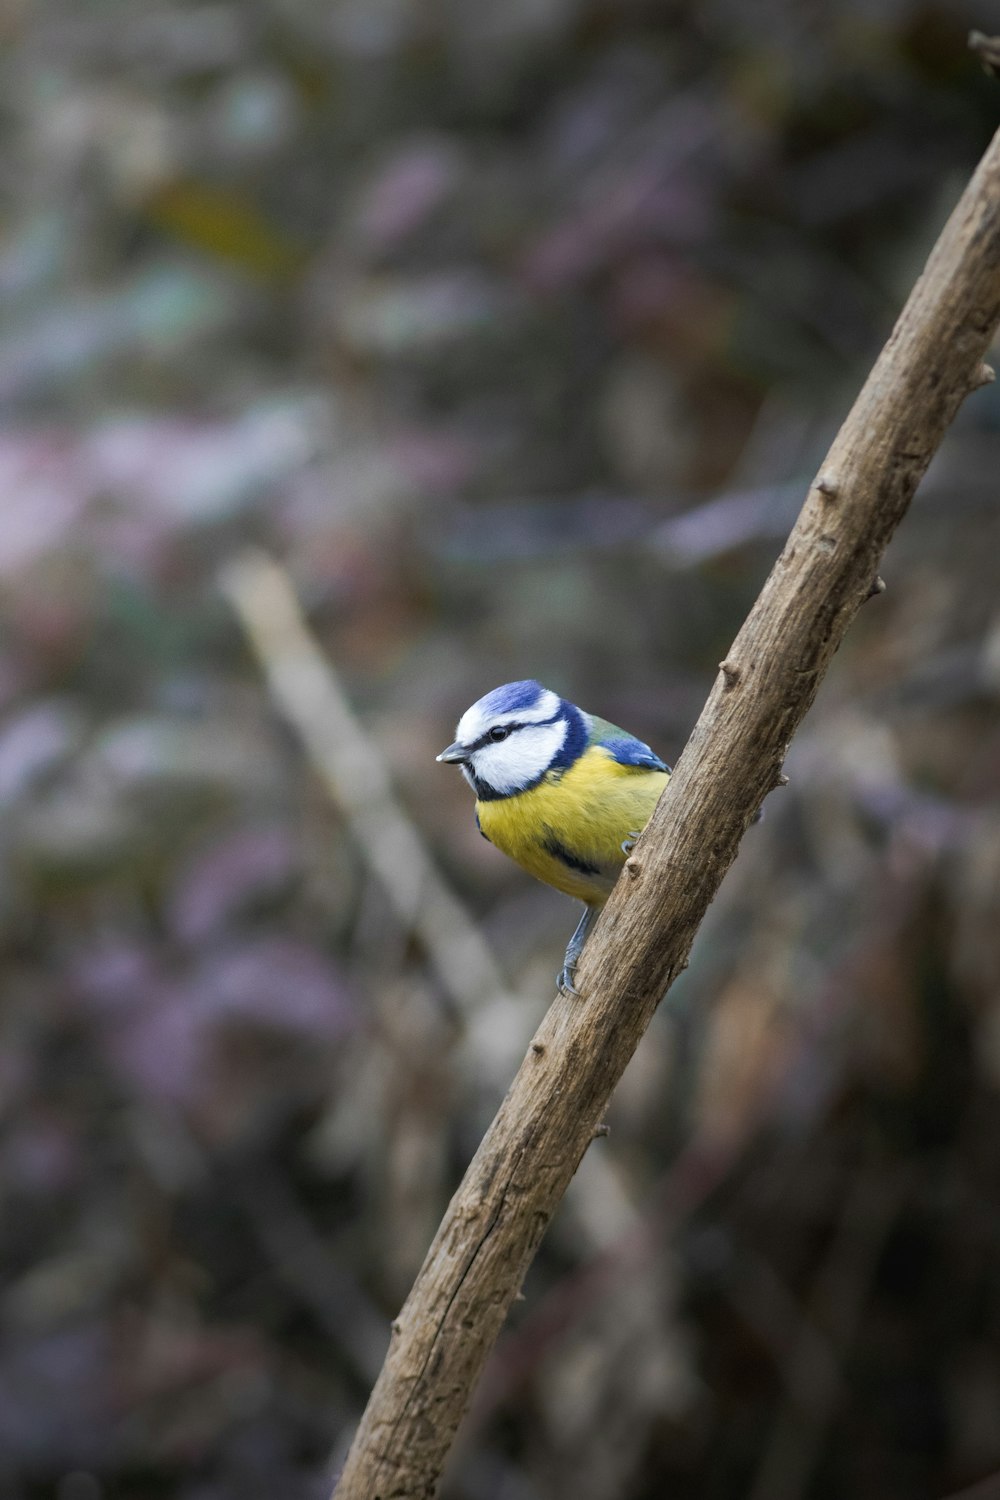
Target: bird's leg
point(573, 950)
point(629, 844)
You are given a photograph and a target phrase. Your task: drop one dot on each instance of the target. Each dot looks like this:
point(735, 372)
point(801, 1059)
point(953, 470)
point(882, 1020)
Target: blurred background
point(512, 335)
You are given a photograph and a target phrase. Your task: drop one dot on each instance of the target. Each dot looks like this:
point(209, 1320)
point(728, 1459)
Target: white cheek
point(516, 762)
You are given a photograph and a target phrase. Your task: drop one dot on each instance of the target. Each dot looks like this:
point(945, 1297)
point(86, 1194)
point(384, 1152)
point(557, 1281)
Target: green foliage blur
point(515, 333)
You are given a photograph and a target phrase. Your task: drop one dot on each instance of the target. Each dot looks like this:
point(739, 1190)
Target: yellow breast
point(568, 830)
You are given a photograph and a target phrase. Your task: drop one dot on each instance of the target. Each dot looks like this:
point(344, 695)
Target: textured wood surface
point(497, 1217)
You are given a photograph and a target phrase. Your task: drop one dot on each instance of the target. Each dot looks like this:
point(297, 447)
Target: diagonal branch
point(733, 759)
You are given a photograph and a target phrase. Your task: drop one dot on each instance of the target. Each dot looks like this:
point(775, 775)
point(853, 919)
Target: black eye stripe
point(485, 739)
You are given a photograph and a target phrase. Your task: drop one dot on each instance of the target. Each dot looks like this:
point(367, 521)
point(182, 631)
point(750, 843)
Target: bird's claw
point(564, 981)
point(628, 844)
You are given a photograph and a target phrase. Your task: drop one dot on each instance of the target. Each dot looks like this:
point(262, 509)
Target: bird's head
point(507, 741)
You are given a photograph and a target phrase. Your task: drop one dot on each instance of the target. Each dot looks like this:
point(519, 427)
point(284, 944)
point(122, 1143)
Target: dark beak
point(454, 753)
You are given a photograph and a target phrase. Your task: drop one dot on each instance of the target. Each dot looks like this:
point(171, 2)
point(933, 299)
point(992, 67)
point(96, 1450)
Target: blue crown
point(511, 697)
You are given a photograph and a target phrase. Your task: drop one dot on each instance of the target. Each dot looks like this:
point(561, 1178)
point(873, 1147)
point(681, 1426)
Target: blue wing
point(624, 747)
point(628, 751)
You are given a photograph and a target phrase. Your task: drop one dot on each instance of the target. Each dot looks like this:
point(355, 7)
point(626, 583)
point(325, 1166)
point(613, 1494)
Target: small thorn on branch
point(828, 485)
point(600, 1131)
point(538, 1048)
point(633, 868)
point(730, 672)
point(877, 587)
point(781, 779)
point(984, 375)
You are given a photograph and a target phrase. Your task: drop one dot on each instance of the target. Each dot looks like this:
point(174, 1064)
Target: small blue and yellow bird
point(563, 793)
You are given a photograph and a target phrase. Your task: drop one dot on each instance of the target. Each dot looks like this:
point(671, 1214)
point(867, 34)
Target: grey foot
point(567, 974)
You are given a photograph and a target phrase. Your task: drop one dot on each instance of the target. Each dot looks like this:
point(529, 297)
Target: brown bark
point(733, 759)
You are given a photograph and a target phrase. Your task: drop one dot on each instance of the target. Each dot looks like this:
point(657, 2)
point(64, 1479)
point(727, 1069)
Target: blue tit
point(563, 793)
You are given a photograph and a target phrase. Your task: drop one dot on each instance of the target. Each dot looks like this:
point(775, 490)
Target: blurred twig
point(987, 49)
point(812, 1374)
point(302, 1259)
point(352, 768)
